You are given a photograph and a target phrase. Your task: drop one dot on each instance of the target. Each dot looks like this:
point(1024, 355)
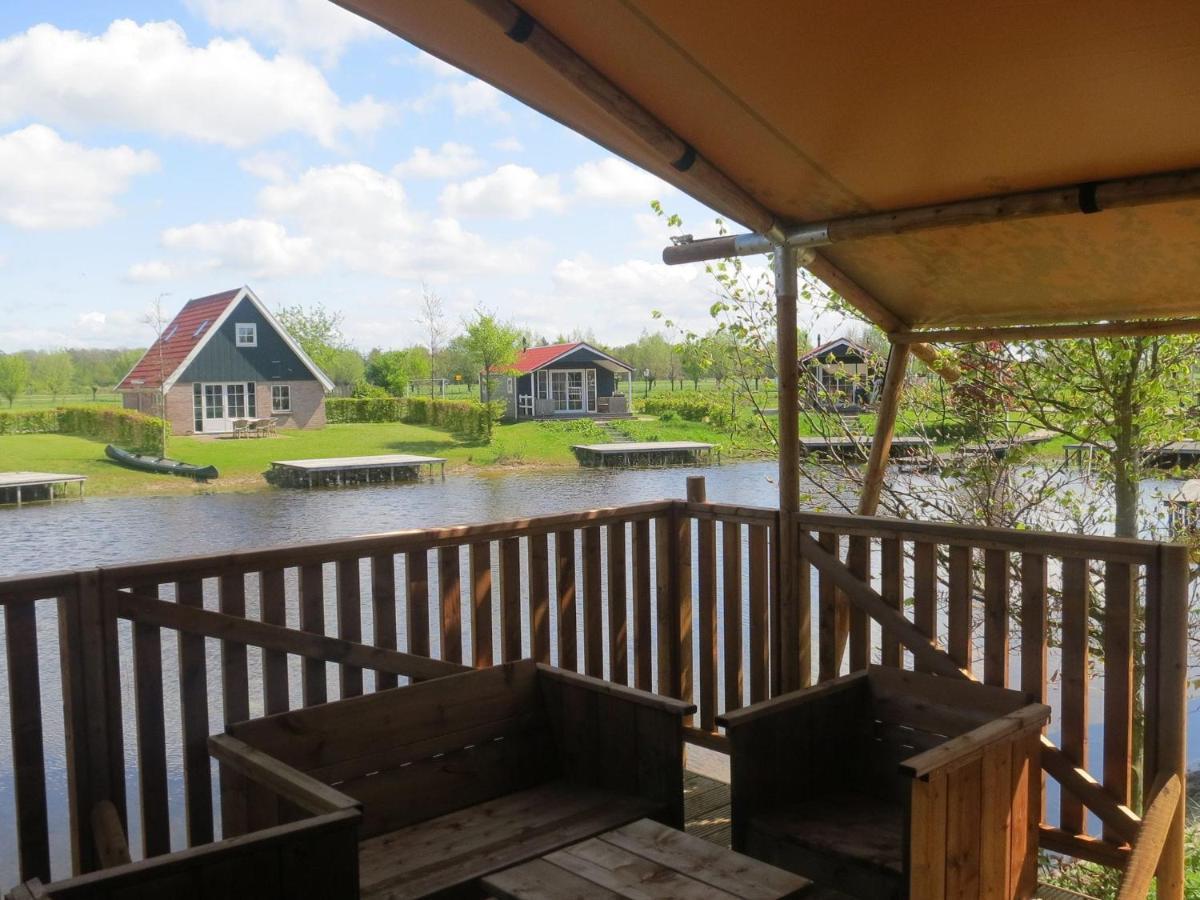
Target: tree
point(492, 346)
point(156, 318)
point(55, 372)
point(395, 370)
point(345, 368)
point(432, 319)
point(14, 376)
point(315, 329)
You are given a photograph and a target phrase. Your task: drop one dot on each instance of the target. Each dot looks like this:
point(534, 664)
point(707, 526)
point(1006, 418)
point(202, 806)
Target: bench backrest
point(412, 753)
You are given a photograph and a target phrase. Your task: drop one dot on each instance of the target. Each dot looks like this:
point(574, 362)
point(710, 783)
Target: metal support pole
point(793, 619)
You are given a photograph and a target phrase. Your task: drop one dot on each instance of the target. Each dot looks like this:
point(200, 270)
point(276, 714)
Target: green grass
point(26, 402)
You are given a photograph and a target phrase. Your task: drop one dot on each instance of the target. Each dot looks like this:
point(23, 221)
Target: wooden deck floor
point(706, 808)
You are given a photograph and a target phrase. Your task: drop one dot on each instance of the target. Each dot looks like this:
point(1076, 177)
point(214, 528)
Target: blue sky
point(193, 146)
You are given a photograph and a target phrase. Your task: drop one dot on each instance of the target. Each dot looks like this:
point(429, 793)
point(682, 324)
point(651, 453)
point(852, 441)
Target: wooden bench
point(464, 775)
point(888, 783)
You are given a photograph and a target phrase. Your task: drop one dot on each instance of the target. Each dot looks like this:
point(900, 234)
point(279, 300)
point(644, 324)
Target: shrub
point(126, 427)
point(693, 406)
point(340, 410)
point(466, 417)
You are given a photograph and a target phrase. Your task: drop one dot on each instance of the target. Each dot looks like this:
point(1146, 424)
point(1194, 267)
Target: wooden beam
point(1044, 332)
point(1077, 781)
point(885, 429)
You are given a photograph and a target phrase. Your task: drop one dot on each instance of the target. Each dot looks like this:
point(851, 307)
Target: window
point(235, 401)
point(197, 408)
point(247, 334)
point(170, 333)
point(250, 410)
point(200, 329)
point(281, 398)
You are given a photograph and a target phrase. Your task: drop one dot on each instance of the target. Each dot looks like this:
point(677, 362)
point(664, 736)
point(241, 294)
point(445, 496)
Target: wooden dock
point(649, 453)
point(1181, 454)
point(338, 471)
point(1000, 448)
point(26, 487)
point(860, 446)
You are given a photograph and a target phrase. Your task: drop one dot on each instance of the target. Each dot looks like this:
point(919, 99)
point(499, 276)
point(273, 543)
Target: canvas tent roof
point(815, 111)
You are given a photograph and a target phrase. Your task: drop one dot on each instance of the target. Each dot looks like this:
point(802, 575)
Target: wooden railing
point(674, 596)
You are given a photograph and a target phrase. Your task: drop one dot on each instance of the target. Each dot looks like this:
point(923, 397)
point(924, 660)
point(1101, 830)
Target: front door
point(224, 403)
point(567, 391)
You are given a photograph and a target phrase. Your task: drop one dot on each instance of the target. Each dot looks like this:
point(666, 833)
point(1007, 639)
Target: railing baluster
point(858, 561)
point(450, 590)
point(1073, 717)
point(383, 612)
point(235, 699)
point(925, 592)
point(1033, 625)
point(274, 612)
point(1118, 684)
point(564, 576)
point(759, 661)
point(891, 564)
point(665, 608)
point(706, 561)
point(193, 695)
point(995, 617)
point(731, 596)
point(593, 604)
point(510, 599)
point(831, 614)
point(151, 734)
point(349, 621)
point(643, 642)
point(960, 624)
point(312, 619)
point(481, 604)
point(618, 633)
point(539, 597)
point(25, 711)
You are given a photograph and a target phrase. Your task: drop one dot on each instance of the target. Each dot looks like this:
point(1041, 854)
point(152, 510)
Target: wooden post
point(885, 429)
point(793, 620)
point(1167, 707)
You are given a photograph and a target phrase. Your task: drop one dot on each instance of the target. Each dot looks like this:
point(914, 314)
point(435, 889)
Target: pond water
point(107, 531)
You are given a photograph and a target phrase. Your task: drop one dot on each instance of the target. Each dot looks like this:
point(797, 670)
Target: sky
point(183, 148)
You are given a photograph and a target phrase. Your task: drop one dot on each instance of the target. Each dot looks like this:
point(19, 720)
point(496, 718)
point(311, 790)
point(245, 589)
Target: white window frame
point(237, 330)
point(275, 407)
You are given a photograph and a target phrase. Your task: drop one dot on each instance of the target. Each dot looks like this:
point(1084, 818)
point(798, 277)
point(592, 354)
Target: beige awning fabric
point(828, 108)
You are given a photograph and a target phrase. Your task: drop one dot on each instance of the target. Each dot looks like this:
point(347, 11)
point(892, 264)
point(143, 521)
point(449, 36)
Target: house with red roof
point(565, 380)
point(225, 359)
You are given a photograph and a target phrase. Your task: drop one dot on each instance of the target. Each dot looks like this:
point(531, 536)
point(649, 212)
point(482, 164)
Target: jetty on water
point(1181, 454)
point(338, 471)
point(648, 453)
point(27, 487)
point(860, 445)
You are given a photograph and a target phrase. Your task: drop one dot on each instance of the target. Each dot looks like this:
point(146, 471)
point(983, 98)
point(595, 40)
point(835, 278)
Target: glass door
point(214, 408)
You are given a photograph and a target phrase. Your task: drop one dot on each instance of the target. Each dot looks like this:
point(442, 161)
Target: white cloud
point(433, 65)
point(613, 180)
point(149, 77)
point(508, 145)
point(511, 191)
point(257, 246)
point(451, 160)
point(468, 97)
point(269, 166)
point(46, 182)
point(297, 26)
point(148, 272)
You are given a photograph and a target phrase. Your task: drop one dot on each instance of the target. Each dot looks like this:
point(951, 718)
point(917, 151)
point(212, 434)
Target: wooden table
point(644, 860)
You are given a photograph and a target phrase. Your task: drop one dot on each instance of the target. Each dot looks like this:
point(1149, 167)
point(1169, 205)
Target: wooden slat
point(450, 590)
point(731, 597)
point(963, 831)
point(681, 584)
point(151, 739)
point(510, 599)
point(593, 604)
point(416, 603)
point(312, 619)
point(481, 605)
point(960, 612)
point(643, 646)
point(564, 578)
point(235, 698)
point(193, 697)
point(665, 610)
point(539, 597)
point(1073, 717)
point(925, 591)
point(706, 563)
point(891, 587)
point(1033, 625)
point(274, 612)
point(995, 618)
point(927, 839)
point(831, 615)
point(995, 815)
point(858, 561)
point(618, 630)
point(759, 653)
point(1118, 684)
point(25, 716)
point(383, 612)
point(349, 621)
point(1026, 815)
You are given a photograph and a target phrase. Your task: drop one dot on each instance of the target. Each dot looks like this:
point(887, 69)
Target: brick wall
point(308, 404)
point(179, 409)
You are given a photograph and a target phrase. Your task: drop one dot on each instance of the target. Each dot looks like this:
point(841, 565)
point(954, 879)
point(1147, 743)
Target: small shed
point(574, 379)
point(842, 374)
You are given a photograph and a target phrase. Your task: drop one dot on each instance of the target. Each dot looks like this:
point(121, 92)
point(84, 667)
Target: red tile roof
point(178, 340)
point(536, 357)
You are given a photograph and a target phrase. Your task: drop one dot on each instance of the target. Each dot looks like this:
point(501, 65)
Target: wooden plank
point(963, 805)
point(1033, 625)
point(25, 717)
point(731, 597)
point(539, 597)
point(542, 880)
point(611, 866)
point(481, 605)
point(1078, 782)
point(665, 608)
point(1026, 815)
point(383, 612)
point(891, 587)
point(706, 563)
point(274, 612)
point(759, 644)
point(235, 697)
point(831, 615)
point(593, 604)
point(450, 589)
point(151, 739)
point(193, 701)
point(618, 630)
point(312, 620)
point(681, 583)
point(416, 604)
point(510, 599)
point(643, 647)
point(960, 645)
point(1073, 714)
point(925, 592)
point(349, 621)
point(995, 617)
point(564, 576)
point(995, 817)
point(858, 561)
point(111, 846)
point(1119, 587)
point(926, 856)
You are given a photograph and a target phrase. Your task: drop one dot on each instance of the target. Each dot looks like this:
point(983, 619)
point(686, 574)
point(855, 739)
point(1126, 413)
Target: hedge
point(341, 410)
point(465, 417)
point(691, 405)
point(132, 430)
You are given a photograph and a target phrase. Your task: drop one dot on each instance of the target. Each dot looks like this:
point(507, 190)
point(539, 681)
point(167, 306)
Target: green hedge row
point(466, 417)
point(340, 410)
point(694, 406)
point(126, 427)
